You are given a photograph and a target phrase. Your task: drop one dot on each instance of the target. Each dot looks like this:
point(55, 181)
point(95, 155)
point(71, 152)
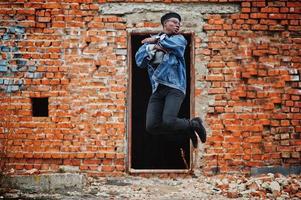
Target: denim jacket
point(172, 70)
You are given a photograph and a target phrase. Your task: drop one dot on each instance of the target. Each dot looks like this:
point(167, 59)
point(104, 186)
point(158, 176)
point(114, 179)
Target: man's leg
point(172, 105)
point(167, 102)
point(171, 123)
point(154, 112)
point(162, 112)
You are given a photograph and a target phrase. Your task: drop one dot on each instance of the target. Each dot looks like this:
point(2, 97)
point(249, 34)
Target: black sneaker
point(196, 124)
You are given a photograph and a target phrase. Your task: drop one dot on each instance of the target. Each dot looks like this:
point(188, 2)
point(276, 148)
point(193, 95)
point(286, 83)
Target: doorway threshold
point(159, 171)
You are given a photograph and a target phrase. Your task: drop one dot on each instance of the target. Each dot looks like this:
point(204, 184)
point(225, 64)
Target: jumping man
point(163, 56)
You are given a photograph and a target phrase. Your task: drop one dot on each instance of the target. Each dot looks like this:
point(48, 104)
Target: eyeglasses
point(175, 22)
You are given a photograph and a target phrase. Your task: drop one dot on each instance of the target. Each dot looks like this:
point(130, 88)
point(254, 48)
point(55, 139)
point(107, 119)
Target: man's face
point(172, 25)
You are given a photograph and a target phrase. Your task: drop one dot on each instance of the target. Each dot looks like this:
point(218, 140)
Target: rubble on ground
point(267, 186)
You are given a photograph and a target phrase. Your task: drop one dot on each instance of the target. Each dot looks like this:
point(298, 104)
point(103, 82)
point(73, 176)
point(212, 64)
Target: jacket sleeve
point(176, 44)
point(142, 56)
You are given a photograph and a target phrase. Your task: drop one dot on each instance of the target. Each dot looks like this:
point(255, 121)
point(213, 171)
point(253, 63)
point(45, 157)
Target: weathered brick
point(277, 16)
point(212, 27)
point(258, 4)
point(259, 15)
point(293, 4)
point(259, 27)
point(269, 10)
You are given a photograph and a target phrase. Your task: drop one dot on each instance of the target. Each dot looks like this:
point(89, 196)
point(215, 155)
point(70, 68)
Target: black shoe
point(194, 139)
point(196, 124)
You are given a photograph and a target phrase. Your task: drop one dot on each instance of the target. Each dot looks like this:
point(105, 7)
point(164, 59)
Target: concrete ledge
point(282, 170)
point(44, 182)
point(128, 8)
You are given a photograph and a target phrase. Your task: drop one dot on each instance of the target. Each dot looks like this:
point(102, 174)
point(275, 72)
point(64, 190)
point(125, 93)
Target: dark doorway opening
point(150, 152)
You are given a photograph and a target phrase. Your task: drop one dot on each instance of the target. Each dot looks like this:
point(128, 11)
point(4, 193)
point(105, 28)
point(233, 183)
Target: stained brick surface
point(70, 52)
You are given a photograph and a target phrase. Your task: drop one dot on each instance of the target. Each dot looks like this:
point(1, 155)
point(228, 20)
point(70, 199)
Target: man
point(163, 56)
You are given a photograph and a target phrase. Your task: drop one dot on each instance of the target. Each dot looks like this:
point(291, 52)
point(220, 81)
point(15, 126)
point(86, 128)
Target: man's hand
point(150, 40)
point(158, 47)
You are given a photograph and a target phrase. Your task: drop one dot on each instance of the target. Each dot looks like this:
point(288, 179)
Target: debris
point(275, 186)
point(31, 171)
point(269, 186)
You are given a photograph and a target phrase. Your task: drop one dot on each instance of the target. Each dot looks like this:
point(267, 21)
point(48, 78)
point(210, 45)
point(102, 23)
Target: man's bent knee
point(166, 125)
point(152, 129)
point(169, 123)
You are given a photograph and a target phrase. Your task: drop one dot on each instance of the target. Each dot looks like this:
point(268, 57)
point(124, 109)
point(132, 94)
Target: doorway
point(147, 152)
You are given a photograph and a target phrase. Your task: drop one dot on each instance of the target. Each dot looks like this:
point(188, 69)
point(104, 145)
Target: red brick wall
point(70, 53)
point(254, 74)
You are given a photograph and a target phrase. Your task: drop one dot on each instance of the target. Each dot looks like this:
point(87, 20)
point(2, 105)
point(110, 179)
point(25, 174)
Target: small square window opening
point(39, 107)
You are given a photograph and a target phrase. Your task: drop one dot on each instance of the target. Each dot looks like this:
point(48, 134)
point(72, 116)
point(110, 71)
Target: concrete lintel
point(197, 8)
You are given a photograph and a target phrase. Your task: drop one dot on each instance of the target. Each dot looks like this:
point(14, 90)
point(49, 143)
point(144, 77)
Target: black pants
point(162, 112)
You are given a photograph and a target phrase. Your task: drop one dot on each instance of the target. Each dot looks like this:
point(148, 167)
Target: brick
point(258, 4)
point(91, 162)
point(295, 155)
point(216, 65)
point(276, 4)
point(259, 27)
point(259, 15)
point(208, 27)
point(293, 4)
point(244, 16)
point(269, 10)
point(294, 28)
point(216, 91)
point(268, 22)
point(216, 46)
point(216, 21)
point(245, 10)
point(284, 10)
point(26, 11)
point(54, 5)
point(214, 78)
point(294, 16)
point(107, 168)
point(245, 4)
point(254, 139)
point(44, 19)
point(285, 123)
point(285, 155)
point(277, 16)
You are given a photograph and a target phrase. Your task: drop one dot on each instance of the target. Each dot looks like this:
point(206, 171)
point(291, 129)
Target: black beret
point(170, 15)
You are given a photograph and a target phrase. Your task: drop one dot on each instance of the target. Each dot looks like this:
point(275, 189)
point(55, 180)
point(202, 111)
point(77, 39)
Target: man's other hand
point(150, 40)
